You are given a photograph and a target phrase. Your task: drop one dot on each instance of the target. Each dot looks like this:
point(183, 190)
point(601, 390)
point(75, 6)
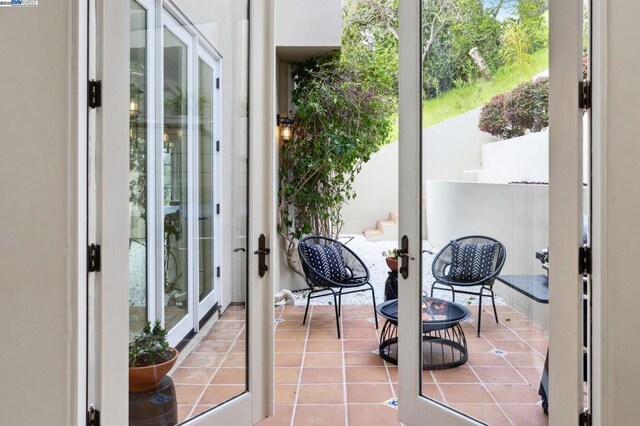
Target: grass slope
point(462, 99)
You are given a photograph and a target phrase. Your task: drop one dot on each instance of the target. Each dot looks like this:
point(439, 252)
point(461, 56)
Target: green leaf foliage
point(512, 114)
point(342, 118)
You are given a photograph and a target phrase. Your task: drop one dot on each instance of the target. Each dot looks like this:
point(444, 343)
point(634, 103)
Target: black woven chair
point(321, 285)
point(442, 264)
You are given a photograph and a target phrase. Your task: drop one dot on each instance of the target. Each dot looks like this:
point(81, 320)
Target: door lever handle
point(262, 253)
point(404, 255)
point(239, 249)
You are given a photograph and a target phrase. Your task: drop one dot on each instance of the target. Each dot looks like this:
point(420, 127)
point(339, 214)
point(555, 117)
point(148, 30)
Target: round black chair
point(441, 268)
point(357, 276)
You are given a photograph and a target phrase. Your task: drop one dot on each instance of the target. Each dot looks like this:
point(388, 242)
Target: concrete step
point(385, 230)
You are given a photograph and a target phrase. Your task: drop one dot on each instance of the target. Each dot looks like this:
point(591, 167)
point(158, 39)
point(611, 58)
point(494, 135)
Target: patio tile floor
point(323, 380)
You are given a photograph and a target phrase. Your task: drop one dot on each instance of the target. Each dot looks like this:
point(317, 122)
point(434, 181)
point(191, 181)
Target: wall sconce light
point(133, 108)
point(285, 124)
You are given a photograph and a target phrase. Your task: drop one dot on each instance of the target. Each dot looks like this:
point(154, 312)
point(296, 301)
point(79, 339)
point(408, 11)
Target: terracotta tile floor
point(214, 371)
point(323, 380)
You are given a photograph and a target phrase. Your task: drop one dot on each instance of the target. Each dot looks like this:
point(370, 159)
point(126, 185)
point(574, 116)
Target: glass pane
point(175, 171)
point(485, 191)
point(138, 171)
point(206, 163)
point(209, 330)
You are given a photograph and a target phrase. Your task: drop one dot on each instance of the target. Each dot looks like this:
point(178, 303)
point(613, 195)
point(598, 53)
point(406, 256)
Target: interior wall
point(36, 214)
point(619, 233)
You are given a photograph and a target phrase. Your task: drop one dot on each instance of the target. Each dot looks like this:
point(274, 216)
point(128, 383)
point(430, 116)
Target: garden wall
point(516, 215)
point(450, 148)
point(525, 158)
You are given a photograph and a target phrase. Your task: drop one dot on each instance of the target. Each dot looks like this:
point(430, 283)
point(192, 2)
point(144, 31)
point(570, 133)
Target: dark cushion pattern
point(327, 260)
point(472, 262)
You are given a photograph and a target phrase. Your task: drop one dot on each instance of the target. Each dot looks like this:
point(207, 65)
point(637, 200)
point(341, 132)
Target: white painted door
point(525, 190)
point(155, 177)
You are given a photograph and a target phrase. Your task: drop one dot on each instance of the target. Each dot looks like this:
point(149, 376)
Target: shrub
point(511, 114)
point(492, 119)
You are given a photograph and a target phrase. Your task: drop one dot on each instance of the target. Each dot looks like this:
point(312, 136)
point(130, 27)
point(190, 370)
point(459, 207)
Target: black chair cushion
point(472, 262)
point(327, 260)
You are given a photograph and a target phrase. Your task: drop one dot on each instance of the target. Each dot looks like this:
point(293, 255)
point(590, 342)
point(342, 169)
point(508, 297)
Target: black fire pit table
point(443, 342)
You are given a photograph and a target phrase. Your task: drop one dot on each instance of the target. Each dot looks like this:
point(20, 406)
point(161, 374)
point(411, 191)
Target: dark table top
point(437, 314)
point(535, 287)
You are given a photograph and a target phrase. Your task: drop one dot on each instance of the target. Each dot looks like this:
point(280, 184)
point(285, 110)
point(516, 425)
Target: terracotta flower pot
point(392, 264)
point(146, 378)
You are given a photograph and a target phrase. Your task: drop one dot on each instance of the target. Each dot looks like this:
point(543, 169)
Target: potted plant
point(150, 358)
point(391, 257)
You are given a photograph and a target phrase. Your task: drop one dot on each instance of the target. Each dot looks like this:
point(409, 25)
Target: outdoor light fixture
point(285, 127)
point(133, 108)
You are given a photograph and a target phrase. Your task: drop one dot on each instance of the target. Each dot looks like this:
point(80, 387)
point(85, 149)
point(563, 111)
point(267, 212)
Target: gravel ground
point(371, 254)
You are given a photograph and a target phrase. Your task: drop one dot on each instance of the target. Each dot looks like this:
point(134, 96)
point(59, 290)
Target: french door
point(531, 193)
point(194, 189)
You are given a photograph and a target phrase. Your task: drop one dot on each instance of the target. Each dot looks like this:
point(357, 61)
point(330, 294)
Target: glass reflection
point(175, 170)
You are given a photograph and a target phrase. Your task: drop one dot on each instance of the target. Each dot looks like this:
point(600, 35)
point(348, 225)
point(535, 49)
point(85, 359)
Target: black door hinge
point(584, 259)
point(217, 83)
point(218, 208)
point(95, 94)
point(218, 272)
point(217, 146)
point(93, 258)
point(93, 417)
point(585, 418)
point(584, 95)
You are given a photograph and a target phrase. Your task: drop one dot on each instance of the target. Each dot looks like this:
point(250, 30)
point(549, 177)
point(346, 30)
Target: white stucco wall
point(516, 215)
point(308, 23)
point(450, 148)
point(525, 158)
point(36, 215)
point(377, 191)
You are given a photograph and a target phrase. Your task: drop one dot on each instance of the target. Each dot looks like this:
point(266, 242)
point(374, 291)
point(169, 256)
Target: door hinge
point(93, 258)
point(95, 94)
point(584, 95)
point(585, 418)
point(584, 259)
point(218, 208)
point(218, 272)
point(218, 83)
point(93, 417)
point(217, 146)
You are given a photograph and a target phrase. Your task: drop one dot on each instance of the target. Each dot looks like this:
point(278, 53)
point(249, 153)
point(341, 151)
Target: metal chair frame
point(439, 270)
point(322, 286)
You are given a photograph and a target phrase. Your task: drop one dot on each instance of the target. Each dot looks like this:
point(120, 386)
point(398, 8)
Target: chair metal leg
point(493, 302)
point(307, 308)
point(432, 285)
point(375, 310)
point(340, 302)
point(479, 313)
point(335, 301)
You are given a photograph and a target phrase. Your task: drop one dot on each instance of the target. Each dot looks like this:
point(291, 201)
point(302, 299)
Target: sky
point(508, 8)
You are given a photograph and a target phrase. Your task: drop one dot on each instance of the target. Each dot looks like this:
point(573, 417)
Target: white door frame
point(112, 216)
point(565, 176)
point(203, 307)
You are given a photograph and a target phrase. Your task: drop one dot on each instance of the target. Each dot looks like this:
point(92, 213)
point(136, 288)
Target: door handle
point(404, 255)
point(262, 253)
point(235, 250)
